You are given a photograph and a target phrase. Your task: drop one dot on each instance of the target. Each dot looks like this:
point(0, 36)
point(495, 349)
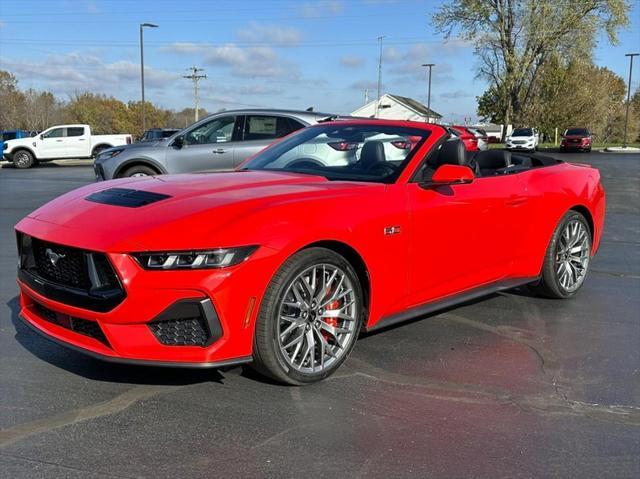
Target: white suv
point(523, 139)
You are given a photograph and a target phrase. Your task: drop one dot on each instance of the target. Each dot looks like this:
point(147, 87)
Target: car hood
point(198, 212)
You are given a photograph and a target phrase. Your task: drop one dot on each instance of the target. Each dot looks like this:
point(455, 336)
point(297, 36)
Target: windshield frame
point(285, 144)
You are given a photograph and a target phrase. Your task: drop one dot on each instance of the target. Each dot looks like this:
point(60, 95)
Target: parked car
point(523, 139)
point(155, 134)
point(481, 135)
point(7, 135)
point(60, 142)
point(467, 137)
point(283, 266)
point(576, 139)
point(218, 142)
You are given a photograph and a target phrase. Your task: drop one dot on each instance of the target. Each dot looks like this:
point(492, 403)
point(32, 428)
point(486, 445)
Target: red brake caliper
point(333, 305)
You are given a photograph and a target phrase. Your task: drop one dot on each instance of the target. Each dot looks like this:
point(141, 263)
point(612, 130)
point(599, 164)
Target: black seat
point(372, 154)
point(489, 161)
point(452, 152)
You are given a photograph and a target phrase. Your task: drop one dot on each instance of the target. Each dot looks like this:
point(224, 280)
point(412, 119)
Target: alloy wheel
point(572, 255)
point(317, 318)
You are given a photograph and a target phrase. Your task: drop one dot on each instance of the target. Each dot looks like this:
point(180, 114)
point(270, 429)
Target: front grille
point(69, 269)
point(181, 332)
point(77, 325)
point(74, 276)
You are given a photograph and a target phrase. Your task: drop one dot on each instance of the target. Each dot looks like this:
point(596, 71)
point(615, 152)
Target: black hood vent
point(126, 197)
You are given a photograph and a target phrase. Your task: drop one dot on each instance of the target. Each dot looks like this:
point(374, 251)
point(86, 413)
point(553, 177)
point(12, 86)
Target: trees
point(516, 39)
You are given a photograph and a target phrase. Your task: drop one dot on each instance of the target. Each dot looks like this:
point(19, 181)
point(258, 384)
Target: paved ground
point(509, 386)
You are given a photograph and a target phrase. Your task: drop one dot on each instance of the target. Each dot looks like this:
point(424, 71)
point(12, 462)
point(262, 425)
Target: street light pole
point(430, 65)
point(379, 76)
point(144, 116)
point(626, 117)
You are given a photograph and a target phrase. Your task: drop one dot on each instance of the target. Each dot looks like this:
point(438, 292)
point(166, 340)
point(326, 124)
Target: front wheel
point(23, 159)
point(567, 258)
point(309, 319)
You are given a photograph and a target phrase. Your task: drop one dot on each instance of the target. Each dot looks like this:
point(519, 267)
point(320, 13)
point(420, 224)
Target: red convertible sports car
point(283, 262)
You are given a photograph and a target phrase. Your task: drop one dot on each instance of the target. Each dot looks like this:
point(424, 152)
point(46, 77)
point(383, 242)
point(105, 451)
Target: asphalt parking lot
point(508, 386)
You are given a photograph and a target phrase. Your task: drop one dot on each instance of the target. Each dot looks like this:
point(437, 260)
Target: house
point(396, 107)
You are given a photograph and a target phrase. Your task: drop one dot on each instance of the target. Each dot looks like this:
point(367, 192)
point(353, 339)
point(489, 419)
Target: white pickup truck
point(60, 142)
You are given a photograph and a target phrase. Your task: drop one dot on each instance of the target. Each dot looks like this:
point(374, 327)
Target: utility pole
point(144, 115)
point(626, 117)
point(195, 77)
point(379, 75)
point(430, 65)
point(366, 96)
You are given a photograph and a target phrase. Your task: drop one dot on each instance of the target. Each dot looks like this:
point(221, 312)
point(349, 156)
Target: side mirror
point(41, 137)
point(452, 175)
point(178, 142)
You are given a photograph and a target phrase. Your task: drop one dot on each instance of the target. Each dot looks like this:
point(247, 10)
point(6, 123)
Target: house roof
point(415, 106)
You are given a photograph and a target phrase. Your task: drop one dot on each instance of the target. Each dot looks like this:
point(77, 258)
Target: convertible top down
point(340, 227)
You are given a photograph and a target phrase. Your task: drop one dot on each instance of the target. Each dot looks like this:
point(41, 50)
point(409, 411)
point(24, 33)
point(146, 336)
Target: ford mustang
point(283, 262)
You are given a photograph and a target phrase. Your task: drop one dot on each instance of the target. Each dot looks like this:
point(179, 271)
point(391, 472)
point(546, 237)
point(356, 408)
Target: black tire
point(23, 159)
point(268, 356)
point(138, 170)
point(588, 150)
point(550, 284)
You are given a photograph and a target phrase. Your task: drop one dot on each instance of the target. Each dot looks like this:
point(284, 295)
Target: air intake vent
point(126, 197)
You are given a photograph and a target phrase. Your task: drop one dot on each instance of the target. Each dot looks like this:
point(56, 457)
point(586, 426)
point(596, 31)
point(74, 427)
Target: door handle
point(516, 200)
point(219, 151)
point(81, 139)
point(58, 140)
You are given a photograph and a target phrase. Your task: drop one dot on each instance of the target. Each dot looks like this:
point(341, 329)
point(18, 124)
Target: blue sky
point(280, 53)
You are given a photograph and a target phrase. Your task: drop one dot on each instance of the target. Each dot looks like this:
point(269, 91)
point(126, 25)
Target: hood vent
point(126, 197)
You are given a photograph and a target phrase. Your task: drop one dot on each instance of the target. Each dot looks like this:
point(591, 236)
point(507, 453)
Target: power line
point(195, 77)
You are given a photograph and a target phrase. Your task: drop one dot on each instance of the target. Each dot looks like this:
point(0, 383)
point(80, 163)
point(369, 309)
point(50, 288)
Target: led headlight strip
point(217, 258)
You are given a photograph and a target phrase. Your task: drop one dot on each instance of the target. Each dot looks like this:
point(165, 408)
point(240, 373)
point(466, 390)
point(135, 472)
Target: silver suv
point(219, 142)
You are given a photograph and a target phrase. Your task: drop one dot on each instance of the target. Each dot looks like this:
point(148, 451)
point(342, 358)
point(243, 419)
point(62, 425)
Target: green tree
point(515, 38)
point(11, 102)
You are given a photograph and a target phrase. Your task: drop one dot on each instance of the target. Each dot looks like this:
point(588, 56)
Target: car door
point(260, 131)
point(52, 144)
point(209, 146)
point(464, 235)
point(76, 142)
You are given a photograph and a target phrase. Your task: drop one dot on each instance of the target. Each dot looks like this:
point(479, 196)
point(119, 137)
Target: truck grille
point(69, 269)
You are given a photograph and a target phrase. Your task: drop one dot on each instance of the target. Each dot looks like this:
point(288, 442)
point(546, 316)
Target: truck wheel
point(23, 159)
point(138, 170)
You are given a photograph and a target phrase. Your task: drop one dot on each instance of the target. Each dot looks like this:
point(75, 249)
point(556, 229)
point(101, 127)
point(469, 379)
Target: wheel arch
point(584, 211)
point(26, 148)
point(138, 162)
point(101, 146)
point(355, 260)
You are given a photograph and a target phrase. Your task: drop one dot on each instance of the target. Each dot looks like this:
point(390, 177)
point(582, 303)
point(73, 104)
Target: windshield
point(577, 131)
point(522, 132)
point(373, 153)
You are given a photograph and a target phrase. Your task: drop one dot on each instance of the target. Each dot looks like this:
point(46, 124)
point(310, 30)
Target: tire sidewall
point(269, 311)
point(129, 172)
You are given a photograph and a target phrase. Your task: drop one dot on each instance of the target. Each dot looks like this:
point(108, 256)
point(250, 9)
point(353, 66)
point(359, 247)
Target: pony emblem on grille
point(53, 256)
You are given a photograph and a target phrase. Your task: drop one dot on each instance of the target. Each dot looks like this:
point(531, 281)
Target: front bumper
point(128, 332)
point(527, 147)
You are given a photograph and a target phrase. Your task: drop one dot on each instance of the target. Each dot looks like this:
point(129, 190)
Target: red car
point(283, 262)
point(468, 137)
point(576, 139)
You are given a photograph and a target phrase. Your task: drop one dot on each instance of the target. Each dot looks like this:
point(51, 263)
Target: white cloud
point(257, 32)
point(247, 62)
point(350, 61)
point(321, 8)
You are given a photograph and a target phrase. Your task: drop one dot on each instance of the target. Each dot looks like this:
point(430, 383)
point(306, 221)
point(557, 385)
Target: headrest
point(493, 159)
point(372, 153)
point(452, 152)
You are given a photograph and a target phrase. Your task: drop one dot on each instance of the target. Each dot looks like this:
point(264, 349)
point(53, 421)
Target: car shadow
point(91, 368)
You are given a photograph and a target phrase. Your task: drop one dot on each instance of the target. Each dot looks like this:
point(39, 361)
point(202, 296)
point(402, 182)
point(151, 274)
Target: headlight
point(105, 155)
point(216, 258)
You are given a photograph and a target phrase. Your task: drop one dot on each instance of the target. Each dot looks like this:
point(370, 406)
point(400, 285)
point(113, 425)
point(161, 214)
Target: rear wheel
point(568, 257)
point(309, 319)
point(23, 159)
point(138, 170)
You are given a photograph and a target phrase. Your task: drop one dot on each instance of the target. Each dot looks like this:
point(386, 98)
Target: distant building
point(396, 107)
